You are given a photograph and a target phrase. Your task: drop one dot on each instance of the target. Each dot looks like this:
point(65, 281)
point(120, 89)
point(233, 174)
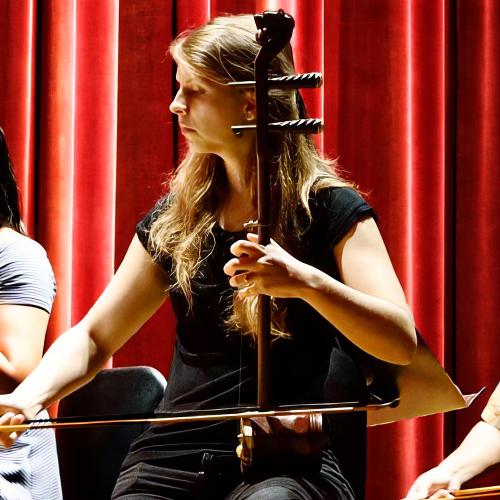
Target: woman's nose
point(178, 106)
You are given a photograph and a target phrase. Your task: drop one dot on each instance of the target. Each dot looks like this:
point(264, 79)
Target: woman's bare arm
point(368, 307)
point(136, 291)
point(22, 335)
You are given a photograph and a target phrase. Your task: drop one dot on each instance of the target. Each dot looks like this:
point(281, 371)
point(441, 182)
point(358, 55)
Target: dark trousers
point(144, 481)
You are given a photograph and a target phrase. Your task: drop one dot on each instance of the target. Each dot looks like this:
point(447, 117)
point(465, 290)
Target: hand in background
point(437, 482)
point(479, 450)
point(10, 415)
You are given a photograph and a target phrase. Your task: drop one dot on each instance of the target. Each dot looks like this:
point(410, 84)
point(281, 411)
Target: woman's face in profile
point(206, 111)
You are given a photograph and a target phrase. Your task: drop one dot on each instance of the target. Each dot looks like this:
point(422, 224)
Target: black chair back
point(90, 459)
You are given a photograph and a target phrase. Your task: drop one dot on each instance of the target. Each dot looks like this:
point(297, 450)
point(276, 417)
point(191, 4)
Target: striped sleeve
point(26, 276)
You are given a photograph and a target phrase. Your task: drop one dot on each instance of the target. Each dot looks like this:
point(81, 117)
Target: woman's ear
point(249, 109)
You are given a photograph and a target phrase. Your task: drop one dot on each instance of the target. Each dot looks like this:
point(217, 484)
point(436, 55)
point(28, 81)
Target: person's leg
point(45, 480)
point(290, 488)
point(218, 474)
point(143, 481)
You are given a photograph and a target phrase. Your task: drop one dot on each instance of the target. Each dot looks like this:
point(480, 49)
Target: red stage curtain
point(62, 132)
point(411, 108)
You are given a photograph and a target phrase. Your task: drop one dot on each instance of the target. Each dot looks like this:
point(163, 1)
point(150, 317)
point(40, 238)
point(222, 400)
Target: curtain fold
point(18, 28)
point(56, 150)
point(95, 122)
point(76, 130)
point(145, 149)
point(411, 107)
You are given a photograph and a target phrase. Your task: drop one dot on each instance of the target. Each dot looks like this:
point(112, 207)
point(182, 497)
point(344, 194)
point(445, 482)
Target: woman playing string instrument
point(334, 288)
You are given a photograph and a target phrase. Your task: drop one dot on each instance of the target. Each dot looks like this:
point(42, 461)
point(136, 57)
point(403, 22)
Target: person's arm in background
point(479, 450)
point(136, 291)
point(22, 334)
point(27, 291)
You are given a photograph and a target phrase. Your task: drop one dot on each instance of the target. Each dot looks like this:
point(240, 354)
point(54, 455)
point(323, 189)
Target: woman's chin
point(197, 146)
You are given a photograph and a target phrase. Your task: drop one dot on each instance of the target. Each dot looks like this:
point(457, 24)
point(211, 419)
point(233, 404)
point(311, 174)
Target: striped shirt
point(26, 277)
point(29, 469)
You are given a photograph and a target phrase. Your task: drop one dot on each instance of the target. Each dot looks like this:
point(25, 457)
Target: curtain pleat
point(411, 108)
point(18, 26)
point(56, 153)
point(77, 150)
point(96, 82)
point(145, 153)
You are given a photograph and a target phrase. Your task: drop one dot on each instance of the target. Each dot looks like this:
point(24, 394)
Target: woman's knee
point(272, 493)
point(275, 488)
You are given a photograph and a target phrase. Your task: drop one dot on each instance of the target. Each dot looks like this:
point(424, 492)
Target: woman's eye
point(190, 91)
point(194, 90)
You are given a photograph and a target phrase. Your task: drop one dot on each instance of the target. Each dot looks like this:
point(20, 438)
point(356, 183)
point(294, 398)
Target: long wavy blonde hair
point(223, 50)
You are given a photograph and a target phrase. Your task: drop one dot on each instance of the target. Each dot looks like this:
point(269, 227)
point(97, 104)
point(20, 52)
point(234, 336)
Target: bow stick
point(488, 491)
point(189, 417)
point(470, 494)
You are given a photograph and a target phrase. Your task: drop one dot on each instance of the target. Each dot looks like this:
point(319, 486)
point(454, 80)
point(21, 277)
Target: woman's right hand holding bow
point(11, 414)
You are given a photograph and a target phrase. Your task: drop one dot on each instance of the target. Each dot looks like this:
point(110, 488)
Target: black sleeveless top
point(213, 367)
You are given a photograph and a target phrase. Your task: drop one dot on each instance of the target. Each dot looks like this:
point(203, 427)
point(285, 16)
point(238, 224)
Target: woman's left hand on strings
point(269, 270)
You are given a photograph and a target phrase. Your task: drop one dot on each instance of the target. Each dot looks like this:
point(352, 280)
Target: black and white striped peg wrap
point(298, 81)
point(302, 126)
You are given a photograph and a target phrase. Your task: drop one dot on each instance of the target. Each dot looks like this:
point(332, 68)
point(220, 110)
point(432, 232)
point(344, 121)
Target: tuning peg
point(302, 126)
point(298, 81)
